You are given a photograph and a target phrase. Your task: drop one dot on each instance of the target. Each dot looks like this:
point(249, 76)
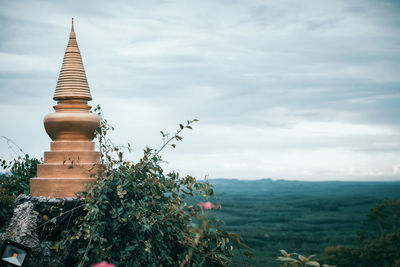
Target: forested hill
point(302, 217)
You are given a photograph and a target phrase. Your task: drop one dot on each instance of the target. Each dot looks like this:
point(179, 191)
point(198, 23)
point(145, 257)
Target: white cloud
point(284, 90)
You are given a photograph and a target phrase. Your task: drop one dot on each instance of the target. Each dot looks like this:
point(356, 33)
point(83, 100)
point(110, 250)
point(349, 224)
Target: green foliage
point(383, 250)
point(379, 240)
point(137, 215)
point(382, 219)
point(13, 182)
point(343, 256)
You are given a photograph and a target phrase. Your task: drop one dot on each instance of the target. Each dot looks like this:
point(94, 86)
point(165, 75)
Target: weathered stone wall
point(32, 225)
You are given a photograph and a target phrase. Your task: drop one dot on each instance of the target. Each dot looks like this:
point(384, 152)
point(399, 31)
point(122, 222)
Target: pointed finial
point(72, 34)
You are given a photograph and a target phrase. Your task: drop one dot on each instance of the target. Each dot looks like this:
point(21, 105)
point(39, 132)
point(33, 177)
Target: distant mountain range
point(282, 187)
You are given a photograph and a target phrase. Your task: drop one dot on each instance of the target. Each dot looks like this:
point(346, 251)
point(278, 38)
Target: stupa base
point(59, 187)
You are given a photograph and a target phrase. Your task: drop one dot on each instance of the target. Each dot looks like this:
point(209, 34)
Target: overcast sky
point(306, 90)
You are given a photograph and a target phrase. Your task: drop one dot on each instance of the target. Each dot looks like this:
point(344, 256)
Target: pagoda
point(72, 161)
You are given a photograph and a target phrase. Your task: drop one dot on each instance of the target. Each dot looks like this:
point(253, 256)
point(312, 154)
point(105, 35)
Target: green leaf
point(284, 253)
point(286, 259)
point(302, 258)
point(313, 263)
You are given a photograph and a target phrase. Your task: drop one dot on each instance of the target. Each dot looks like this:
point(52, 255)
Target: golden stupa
point(72, 162)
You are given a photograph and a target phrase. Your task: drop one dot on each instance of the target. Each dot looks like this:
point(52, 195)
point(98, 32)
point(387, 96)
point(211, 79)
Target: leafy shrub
point(379, 240)
point(343, 256)
point(137, 215)
point(298, 260)
point(13, 182)
point(382, 219)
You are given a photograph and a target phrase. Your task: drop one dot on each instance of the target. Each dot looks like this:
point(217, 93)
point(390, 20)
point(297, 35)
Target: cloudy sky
point(304, 90)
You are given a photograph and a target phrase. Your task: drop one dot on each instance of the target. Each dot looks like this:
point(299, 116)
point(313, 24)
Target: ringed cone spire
point(72, 162)
point(72, 82)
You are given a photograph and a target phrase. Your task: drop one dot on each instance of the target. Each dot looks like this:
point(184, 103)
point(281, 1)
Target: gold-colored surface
point(59, 187)
point(66, 170)
point(71, 125)
point(72, 82)
point(72, 162)
point(69, 146)
point(71, 157)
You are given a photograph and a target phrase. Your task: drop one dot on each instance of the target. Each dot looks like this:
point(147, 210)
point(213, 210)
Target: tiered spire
point(72, 162)
point(72, 82)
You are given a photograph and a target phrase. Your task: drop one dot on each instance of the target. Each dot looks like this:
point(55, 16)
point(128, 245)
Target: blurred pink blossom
point(207, 205)
point(103, 264)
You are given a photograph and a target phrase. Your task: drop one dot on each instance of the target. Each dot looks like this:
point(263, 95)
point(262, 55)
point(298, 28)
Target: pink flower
point(207, 205)
point(103, 264)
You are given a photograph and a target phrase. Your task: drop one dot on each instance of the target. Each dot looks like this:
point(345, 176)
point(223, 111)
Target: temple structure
point(72, 161)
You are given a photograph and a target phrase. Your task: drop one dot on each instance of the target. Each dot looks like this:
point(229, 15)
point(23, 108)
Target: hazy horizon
point(289, 90)
point(377, 179)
